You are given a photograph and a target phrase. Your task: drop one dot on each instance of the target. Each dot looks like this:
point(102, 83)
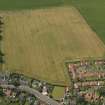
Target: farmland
point(38, 42)
point(93, 12)
point(28, 4)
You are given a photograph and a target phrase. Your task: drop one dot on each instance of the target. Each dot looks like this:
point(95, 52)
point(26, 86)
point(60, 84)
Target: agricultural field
point(91, 10)
point(38, 42)
point(94, 13)
point(28, 4)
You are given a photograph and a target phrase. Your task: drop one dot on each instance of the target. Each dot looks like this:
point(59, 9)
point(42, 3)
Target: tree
point(15, 79)
point(81, 101)
point(1, 59)
point(1, 37)
point(101, 91)
point(1, 91)
point(1, 54)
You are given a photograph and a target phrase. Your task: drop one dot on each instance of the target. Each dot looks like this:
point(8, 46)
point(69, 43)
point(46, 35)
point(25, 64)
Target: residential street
point(27, 89)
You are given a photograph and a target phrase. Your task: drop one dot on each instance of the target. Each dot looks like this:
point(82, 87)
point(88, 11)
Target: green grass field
point(58, 92)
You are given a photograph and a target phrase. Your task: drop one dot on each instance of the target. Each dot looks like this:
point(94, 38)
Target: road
point(37, 94)
point(43, 98)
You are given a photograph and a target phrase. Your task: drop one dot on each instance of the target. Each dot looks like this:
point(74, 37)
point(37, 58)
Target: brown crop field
point(38, 42)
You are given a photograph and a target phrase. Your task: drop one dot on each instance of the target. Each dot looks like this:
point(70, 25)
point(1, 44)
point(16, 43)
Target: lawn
point(58, 92)
point(38, 42)
point(4, 101)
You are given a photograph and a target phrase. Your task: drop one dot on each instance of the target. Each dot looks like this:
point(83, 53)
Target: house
point(4, 78)
point(8, 92)
point(45, 90)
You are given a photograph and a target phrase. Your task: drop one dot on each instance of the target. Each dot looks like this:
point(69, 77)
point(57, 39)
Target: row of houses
point(91, 96)
point(13, 94)
point(20, 97)
point(82, 74)
point(41, 86)
point(85, 77)
point(18, 79)
point(93, 84)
